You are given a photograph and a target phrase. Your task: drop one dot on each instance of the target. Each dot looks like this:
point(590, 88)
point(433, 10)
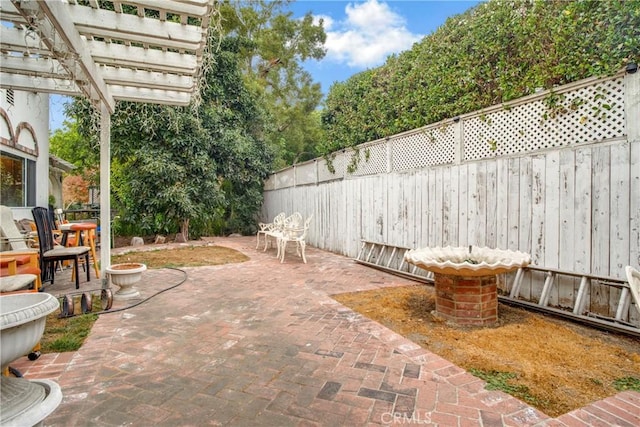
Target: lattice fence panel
point(285, 178)
point(270, 183)
point(430, 146)
point(339, 166)
point(372, 159)
point(306, 173)
point(587, 114)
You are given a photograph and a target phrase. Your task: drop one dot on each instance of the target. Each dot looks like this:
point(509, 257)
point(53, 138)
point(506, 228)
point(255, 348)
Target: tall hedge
point(492, 53)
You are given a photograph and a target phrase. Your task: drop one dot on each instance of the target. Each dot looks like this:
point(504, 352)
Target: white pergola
point(131, 50)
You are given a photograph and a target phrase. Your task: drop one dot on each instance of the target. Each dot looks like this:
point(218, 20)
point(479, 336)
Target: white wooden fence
point(555, 174)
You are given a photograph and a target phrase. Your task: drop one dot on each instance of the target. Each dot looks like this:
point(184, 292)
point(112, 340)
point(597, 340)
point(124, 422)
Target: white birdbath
point(465, 280)
point(22, 320)
point(126, 275)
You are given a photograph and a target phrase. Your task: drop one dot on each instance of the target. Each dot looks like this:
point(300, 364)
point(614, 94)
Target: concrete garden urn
point(465, 280)
point(126, 275)
point(22, 320)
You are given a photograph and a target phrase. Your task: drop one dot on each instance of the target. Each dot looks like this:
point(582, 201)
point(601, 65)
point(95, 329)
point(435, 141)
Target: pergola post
point(105, 191)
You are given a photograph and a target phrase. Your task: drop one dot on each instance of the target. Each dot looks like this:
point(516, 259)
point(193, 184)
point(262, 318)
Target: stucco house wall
point(24, 133)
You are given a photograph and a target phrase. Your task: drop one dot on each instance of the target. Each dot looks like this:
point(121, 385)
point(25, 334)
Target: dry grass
point(555, 366)
point(191, 256)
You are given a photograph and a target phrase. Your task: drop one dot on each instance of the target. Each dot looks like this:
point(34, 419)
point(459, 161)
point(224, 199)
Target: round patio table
point(85, 235)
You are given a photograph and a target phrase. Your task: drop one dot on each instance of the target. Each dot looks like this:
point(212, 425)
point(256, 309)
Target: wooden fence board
point(472, 203)
point(619, 212)
point(601, 224)
point(480, 209)
point(538, 212)
point(502, 203)
point(552, 217)
point(513, 204)
point(524, 234)
point(463, 222)
point(454, 211)
point(567, 286)
point(634, 217)
point(440, 206)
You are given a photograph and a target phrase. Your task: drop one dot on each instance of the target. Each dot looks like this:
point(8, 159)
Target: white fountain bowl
point(454, 261)
point(22, 320)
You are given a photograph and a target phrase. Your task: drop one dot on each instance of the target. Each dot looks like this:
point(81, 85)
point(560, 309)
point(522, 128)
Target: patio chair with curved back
point(275, 231)
point(10, 236)
point(295, 233)
point(266, 227)
point(18, 258)
point(50, 253)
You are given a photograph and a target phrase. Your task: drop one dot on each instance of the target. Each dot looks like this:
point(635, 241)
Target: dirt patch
point(554, 365)
point(189, 256)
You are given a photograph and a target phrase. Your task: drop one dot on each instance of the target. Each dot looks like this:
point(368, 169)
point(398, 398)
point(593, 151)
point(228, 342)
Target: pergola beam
point(150, 79)
point(39, 84)
point(57, 14)
point(156, 33)
point(166, 97)
point(139, 58)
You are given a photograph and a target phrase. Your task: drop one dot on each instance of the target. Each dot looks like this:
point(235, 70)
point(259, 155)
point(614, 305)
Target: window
point(17, 181)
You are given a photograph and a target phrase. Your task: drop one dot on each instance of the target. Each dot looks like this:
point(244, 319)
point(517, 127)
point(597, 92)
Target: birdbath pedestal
point(465, 280)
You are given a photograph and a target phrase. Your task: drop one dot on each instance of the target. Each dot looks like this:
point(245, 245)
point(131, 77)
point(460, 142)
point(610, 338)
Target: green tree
point(68, 144)
point(174, 168)
point(271, 61)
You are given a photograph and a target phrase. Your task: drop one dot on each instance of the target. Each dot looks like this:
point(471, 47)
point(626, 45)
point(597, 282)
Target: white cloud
point(370, 33)
point(327, 21)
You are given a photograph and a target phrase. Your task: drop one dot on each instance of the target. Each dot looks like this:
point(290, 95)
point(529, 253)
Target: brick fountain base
point(465, 280)
point(467, 301)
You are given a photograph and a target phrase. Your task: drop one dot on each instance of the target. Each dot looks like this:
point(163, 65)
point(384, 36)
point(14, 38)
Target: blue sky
point(360, 35)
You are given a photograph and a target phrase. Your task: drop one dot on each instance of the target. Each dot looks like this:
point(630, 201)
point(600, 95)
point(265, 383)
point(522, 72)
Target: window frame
point(27, 178)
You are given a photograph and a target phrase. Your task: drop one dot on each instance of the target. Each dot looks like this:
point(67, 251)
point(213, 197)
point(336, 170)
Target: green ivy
point(493, 53)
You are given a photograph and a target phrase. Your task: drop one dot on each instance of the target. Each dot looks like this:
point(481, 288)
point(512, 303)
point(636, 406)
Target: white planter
point(126, 275)
point(22, 320)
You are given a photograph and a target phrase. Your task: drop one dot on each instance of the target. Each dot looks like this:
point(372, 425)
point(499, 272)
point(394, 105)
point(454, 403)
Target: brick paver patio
point(264, 344)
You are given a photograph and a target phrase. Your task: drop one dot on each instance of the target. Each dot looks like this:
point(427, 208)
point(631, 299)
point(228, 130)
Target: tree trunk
point(183, 235)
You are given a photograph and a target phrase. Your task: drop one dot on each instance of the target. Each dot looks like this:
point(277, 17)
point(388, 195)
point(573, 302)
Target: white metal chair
point(296, 233)
point(266, 227)
point(633, 276)
point(292, 221)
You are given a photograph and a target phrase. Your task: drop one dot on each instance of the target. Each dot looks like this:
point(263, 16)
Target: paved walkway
point(264, 344)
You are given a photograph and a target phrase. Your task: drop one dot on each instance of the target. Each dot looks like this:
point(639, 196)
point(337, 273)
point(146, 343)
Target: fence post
point(632, 103)
point(459, 131)
point(389, 155)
